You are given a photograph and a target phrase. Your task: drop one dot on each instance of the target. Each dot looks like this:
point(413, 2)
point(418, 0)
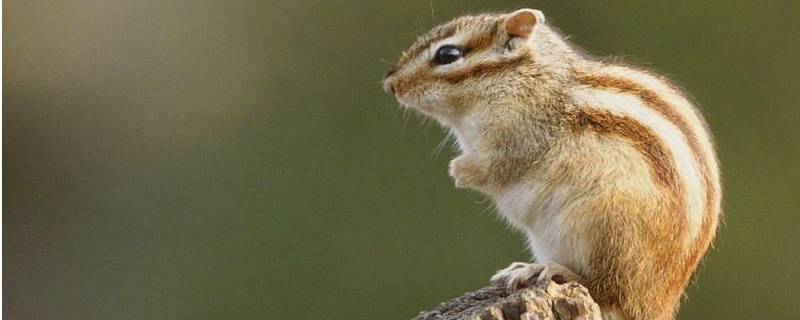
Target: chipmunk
point(609, 170)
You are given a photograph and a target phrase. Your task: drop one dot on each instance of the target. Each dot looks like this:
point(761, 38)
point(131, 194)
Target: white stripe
point(679, 103)
point(687, 168)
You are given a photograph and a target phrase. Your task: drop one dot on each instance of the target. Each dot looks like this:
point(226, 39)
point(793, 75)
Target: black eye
point(447, 54)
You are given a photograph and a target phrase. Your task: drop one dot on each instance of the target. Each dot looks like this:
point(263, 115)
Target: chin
point(425, 109)
point(428, 107)
point(416, 104)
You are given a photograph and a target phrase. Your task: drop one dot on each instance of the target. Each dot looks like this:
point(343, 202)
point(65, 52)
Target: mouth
point(407, 98)
point(414, 103)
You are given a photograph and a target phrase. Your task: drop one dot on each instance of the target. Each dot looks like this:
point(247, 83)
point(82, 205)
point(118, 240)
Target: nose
point(388, 86)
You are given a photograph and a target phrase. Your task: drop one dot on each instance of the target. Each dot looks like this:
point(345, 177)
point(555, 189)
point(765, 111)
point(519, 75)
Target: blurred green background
point(239, 160)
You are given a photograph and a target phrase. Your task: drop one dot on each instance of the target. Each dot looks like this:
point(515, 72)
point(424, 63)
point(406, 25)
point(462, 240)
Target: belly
point(544, 213)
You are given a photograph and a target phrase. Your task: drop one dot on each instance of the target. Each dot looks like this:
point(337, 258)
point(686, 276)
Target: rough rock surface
point(542, 301)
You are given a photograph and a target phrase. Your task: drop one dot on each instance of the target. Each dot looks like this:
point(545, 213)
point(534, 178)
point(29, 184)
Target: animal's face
point(457, 66)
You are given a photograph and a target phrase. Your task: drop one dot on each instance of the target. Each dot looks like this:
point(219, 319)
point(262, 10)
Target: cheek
point(443, 95)
point(428, 98)
point(432, 99)
point(410, 80)
point(464, 98)
point(459, 100)
point(434, 94)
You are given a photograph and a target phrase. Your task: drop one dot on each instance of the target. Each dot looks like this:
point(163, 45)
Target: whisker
point(424, 121)
point(437, 151)
point(405, 118)
point(433, 15)
point(397, 111)
point(490, 207)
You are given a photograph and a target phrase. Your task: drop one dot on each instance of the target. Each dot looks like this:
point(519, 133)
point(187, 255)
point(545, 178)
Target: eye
point(447, 54)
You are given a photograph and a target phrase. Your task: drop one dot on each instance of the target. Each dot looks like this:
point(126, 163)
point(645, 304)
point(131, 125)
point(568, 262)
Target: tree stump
point(542, 301)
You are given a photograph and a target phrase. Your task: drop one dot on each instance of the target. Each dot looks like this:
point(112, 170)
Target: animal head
point(464, 64)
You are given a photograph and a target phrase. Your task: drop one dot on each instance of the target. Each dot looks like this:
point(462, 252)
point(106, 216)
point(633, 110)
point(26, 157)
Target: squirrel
point(608, 169)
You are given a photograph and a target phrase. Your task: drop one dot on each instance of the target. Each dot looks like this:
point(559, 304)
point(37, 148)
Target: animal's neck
point(464, 128)
point(550, 49)
point(467, 133)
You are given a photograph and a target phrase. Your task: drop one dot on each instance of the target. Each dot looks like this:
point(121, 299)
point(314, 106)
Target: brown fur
point(637, 135)
point(634, 249)
point(486, 69)
point(442, 32)
point(508, 103)
point(654, 101)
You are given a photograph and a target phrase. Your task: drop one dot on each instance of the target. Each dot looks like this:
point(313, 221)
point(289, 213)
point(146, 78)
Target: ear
point(520, 23)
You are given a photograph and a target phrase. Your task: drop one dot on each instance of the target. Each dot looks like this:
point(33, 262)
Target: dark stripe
point(423, 43)
point(424, 75)
point(487, 22)
point(638, 135)
point(483, 40)
point(485, 69)
point(654, 101)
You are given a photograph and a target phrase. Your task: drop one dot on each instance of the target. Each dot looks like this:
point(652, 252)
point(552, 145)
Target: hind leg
point(521, 274)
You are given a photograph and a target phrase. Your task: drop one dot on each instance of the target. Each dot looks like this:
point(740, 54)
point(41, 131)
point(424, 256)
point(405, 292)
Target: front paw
point(467, 173)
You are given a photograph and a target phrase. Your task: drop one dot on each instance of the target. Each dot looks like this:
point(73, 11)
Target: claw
point(558, 274)
point(519, 274)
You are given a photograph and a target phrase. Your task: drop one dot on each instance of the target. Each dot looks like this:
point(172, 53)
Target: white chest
point(544, 213)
